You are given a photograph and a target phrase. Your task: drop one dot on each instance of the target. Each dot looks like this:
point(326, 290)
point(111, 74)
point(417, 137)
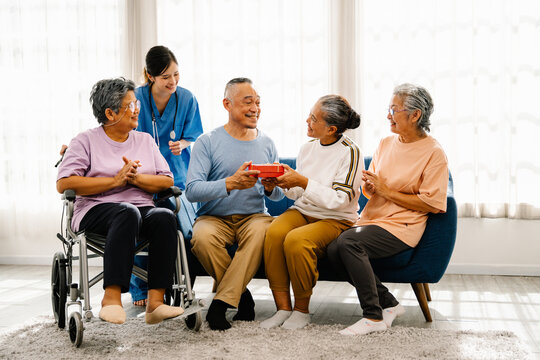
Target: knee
point(129, 214)
point(349, 240)
point(295, 245)
point(165, 218)
point(203, 238)
point(274, 236)
point(332, 250)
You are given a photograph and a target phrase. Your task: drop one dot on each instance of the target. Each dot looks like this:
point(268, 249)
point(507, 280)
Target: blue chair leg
point(422, 299)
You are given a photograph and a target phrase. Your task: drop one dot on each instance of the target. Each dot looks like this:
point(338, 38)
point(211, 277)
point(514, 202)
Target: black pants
point(123, 224)
point(350, 254)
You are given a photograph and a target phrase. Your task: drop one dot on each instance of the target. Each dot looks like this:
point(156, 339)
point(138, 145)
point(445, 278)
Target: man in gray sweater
point(231, 202)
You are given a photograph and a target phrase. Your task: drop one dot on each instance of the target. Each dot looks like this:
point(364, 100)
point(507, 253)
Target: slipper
point(163, 312)
point(113, 313)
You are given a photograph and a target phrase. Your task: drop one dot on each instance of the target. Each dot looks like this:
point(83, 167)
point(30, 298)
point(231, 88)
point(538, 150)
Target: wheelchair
point(73, 300)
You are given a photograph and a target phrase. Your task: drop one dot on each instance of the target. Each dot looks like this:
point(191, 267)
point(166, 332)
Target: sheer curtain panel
point(480, 60)
point(51, 53)
point(282, 45)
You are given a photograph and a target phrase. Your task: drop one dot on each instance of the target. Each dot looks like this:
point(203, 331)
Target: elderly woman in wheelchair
point(114, 171)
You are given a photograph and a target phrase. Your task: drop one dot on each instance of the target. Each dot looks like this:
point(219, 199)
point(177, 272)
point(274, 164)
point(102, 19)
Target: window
point(52, 54)
point(479, 63)
point(281, 45)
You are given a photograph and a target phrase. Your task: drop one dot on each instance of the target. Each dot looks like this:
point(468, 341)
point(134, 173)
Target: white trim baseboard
point(463, 269)
point(39, 260)
point(494, 269)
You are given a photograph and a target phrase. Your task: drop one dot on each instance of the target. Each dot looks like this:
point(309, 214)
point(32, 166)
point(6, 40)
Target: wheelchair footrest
point(196, 306)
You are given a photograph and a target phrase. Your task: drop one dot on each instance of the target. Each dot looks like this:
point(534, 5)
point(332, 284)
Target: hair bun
point(354, 120)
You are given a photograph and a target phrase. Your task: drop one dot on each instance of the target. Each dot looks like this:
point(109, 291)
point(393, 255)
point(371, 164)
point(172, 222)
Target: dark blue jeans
point(124, 224)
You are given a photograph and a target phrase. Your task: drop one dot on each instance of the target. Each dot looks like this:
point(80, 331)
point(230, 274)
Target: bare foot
point(140, 302)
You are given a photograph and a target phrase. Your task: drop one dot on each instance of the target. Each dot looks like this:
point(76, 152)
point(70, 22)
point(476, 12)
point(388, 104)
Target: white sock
point(297, 320)
point(364, 326)
point(389, 314)
point(279, 318)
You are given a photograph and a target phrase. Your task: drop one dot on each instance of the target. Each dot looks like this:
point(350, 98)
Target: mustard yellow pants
point(212, 235)
point(292, 245)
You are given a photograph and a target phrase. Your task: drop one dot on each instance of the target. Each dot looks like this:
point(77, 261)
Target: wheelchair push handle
point(69, 195)
point(167, 193)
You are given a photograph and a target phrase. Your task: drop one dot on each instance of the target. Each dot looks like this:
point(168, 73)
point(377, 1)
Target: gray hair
point(415, 97)
point(108, 94)
point(234, 82)
point(339, 113)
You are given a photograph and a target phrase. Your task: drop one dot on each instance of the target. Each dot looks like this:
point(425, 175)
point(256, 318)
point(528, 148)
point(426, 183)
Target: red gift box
point(268, 170)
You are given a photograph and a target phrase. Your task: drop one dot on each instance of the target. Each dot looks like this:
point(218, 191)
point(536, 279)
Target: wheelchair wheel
point(194, 321)
point(76, 329)
point(59, 288)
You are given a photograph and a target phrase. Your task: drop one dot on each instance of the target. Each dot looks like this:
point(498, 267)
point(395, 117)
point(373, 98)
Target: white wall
point(496, 246)
point(483, 246)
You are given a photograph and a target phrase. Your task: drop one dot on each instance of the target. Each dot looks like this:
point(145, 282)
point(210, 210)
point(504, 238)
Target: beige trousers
point(292, 246)
point(212, 235)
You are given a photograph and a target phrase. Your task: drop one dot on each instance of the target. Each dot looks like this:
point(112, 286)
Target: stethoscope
point(172, 134)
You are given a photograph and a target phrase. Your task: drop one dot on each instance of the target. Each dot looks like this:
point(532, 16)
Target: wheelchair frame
point(181, 293)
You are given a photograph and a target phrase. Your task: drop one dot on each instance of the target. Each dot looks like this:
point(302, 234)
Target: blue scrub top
point(188, 127)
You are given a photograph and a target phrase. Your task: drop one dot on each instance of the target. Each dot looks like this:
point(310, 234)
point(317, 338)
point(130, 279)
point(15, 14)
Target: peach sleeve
point(435, 182)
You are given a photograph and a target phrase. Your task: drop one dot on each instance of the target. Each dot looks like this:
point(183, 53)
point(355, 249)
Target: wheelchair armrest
point(69, 195)
point(167, 193)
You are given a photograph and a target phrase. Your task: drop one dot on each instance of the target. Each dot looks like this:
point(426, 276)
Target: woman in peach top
point(406, 180)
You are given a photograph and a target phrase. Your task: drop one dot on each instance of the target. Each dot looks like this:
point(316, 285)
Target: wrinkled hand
point(373, 184)
point(269, 184)
point(291, 178)
point(176, 147)
point(242, 179)
point(128, 172)
point(63, 149)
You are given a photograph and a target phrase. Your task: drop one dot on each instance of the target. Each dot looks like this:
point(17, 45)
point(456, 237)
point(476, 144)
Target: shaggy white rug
point(171, 340)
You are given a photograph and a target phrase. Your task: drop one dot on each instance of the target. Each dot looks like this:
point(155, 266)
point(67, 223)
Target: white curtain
point(282, 45)
point(51, 53)
point(480, 60)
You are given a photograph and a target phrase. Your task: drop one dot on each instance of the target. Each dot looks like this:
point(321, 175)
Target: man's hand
point(269, 184)
point(291, 178)
point(63, 149)
point(242, 179)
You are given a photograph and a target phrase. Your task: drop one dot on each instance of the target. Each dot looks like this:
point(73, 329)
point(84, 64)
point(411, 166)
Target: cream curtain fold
point(282, 45)
point(51, 53)
point(481, 62)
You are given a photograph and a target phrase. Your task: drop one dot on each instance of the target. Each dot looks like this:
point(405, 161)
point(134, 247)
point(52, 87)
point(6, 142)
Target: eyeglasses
point(134, 104)
point(391, 111)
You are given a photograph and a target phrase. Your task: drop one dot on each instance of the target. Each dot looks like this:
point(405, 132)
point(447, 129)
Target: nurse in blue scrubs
point(171, 115)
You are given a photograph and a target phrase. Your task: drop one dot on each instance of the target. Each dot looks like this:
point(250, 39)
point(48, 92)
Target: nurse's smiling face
point(167, 81)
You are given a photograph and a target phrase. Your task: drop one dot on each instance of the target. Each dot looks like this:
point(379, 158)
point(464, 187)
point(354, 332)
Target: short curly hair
point(108, 94)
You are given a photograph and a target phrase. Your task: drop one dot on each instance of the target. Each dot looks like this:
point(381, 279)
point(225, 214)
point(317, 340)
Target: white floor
point(465, 302)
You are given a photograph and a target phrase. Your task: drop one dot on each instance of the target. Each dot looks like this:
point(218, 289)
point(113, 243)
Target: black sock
point(246, 308)
point(216, 315)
